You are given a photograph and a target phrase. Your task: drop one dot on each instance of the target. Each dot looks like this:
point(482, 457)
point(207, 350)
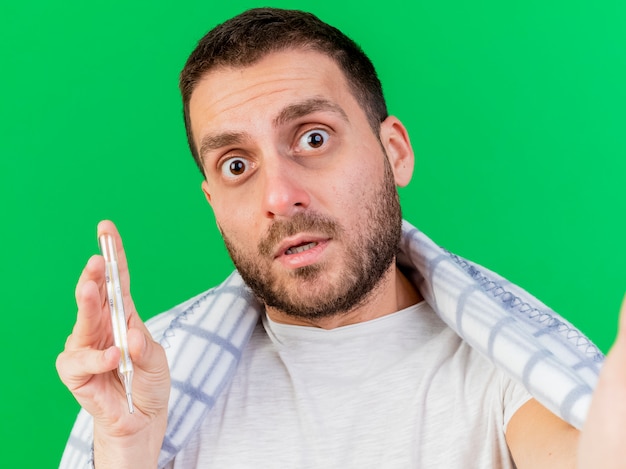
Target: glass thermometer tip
point(127, 377)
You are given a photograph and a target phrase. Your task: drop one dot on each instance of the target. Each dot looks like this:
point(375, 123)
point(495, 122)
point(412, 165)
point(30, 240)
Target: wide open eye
point(234, 167)
point(313, 139)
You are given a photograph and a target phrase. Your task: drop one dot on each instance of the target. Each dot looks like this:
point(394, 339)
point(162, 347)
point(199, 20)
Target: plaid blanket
point(204, 338)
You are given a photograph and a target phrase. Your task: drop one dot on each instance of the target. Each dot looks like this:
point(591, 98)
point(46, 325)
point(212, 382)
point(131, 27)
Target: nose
point(284, 193)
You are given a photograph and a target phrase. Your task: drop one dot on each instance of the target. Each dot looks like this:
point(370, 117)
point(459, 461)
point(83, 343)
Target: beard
point(307, 292)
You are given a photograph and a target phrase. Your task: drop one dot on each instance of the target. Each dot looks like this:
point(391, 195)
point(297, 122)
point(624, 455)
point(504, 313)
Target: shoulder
point(160, 323)
point(222, 307)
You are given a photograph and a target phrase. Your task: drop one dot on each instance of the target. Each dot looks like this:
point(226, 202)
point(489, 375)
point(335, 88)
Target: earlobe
point(205, 190)
point(395, 140)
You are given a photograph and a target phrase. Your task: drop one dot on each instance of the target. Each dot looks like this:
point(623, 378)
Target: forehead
point(228, 95)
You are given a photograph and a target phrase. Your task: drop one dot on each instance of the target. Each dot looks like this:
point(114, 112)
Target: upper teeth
point(304, 247)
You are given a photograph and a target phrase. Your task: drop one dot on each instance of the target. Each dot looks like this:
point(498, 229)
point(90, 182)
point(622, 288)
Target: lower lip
point(304, 258)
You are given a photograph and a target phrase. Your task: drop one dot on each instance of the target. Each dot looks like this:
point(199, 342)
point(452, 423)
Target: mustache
point(309, 221)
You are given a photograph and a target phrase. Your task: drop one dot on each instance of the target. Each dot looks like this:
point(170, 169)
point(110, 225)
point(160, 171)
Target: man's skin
point(254, 126)
point(285, 175)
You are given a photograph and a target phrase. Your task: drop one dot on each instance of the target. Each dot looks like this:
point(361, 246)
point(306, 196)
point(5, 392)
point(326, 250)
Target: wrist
point(137, 451)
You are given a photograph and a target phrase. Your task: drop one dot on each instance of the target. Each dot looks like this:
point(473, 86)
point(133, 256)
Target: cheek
point(230, 208)
point(356, 185)
point(346, 203)
point(237, 222)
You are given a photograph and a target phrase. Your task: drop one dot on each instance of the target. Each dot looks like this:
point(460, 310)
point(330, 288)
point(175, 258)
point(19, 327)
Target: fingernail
point(108, 352)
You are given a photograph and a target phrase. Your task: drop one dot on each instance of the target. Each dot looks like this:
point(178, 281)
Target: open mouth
point(301, 248)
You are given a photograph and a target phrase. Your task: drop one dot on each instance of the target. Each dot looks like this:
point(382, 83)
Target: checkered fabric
point(204, 338)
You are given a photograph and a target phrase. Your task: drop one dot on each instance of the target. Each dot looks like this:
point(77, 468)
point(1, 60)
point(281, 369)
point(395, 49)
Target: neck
point(392, 294)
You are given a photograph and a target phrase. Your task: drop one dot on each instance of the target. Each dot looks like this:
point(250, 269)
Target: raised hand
point(603, 438)
point(88, 367)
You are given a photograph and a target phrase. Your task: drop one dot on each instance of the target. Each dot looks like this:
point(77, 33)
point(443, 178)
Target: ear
point(395, 140)
point(205, 190)
point(207, 196)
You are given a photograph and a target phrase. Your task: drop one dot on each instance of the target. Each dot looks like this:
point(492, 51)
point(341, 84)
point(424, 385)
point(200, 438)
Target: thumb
point(151, 380)
point(145, 353)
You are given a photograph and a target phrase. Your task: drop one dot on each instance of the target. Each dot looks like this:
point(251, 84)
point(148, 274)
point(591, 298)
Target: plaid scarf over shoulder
point(204, 338)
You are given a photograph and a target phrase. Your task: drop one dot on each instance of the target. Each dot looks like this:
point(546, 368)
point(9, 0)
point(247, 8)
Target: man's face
point(299, 183)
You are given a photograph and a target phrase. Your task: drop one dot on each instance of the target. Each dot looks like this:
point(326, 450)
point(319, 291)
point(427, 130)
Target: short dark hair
point(251, 35)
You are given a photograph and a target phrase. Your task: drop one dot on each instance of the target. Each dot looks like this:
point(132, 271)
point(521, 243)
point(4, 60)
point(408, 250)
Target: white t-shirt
point(400, 391)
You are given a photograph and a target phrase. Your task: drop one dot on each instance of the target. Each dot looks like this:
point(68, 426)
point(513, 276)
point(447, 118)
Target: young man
point(336, 360)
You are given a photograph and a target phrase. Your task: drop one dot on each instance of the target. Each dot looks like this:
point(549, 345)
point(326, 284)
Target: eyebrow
point(309, 106)
point(289, 113)
point(215, 141)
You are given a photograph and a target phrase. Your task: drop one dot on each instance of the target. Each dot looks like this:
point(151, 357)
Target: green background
point(516, 114)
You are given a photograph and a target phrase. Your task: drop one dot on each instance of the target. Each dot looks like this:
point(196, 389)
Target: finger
point(92, 272)
point(92, 328)
point(76, 367)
